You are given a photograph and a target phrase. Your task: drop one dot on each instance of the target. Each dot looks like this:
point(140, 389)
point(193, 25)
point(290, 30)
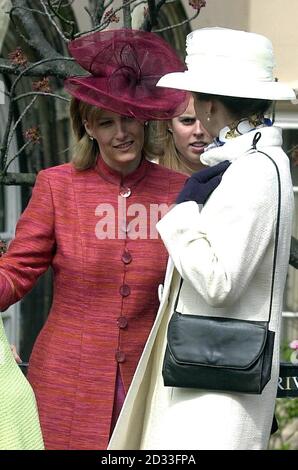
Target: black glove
point(202, 183)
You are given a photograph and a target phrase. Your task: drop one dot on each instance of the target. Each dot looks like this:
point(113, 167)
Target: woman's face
point(120, 140)
point(190, 137)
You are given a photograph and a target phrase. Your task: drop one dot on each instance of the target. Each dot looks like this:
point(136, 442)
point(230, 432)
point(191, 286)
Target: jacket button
point(124, 290)
point(122, 322)
point(160, 292)
point(125, 192)
point(126, 257)
point(120, 356)
point(125, 228)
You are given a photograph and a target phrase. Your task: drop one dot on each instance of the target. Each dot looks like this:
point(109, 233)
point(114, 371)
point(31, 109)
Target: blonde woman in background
point(181, 141)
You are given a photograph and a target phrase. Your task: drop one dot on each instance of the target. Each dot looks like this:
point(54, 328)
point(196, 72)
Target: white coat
point(225, 255)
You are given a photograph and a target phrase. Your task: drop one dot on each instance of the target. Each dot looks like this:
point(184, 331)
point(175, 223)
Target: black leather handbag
point(223, 354)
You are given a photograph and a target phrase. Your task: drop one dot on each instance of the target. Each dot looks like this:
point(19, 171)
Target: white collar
point(234, 148)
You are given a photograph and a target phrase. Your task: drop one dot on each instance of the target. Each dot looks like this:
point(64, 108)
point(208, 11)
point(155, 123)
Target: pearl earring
point(209, 118)
point(91, 137)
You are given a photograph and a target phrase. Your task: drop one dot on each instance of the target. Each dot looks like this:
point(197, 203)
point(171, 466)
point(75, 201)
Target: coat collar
point(235, 148)
point(115, 177)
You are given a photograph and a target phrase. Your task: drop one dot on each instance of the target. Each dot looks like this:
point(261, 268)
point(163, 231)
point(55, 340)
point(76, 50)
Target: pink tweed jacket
point(105, 291)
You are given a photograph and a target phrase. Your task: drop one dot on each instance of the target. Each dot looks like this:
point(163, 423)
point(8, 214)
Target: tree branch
point(3, 148)
point(35, 37)
point(53, 22)
point(16, 156)
point(178, 24)
point(32, 93)
point(152, 11)
point(96, 11)
point(16, 125)
point(147, 26)
point(18, 179)
point(103, 25)
point(32, 66)
point(61, 70)
point(126, 14)
point(61, 18)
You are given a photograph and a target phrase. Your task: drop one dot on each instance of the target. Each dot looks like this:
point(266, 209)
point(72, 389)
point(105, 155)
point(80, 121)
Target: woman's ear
point(169, 127)
point(88, 129)
point(213, 106)
point(209, 107)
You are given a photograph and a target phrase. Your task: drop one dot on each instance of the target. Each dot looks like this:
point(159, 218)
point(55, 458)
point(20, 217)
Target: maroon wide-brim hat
point(124, 67)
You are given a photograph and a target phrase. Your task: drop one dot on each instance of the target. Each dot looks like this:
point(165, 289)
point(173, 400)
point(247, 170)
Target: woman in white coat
point(224, 252)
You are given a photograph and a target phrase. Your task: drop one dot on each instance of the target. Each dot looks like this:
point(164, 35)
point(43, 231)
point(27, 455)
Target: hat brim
point(162, 105)
point(274, 91)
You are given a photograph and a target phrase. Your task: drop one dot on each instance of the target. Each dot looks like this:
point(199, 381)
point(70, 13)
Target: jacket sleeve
point(219, 249)
point(31, 251)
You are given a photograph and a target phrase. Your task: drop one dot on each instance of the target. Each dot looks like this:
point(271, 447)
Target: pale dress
point(19, 424)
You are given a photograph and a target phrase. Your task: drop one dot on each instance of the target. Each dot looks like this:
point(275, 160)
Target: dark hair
point(239, 107)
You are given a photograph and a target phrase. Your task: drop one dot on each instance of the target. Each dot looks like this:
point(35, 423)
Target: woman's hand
point(15, 354)
point(202, 183)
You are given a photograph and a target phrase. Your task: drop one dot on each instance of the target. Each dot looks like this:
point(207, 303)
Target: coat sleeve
point(31, 251)
point(219, 249)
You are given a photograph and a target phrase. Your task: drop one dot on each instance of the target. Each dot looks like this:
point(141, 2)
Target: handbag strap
point(256, 139)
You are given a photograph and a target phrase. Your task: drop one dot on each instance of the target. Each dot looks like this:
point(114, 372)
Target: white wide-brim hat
point(228, 62)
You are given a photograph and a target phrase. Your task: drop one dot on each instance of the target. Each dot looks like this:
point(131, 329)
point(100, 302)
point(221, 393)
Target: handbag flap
point(216, 341)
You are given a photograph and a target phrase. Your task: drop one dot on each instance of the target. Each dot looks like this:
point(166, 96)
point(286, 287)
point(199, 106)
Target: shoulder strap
point(256, 139)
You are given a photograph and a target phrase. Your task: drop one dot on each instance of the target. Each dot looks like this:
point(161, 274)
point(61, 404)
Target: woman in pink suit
point(93, 221)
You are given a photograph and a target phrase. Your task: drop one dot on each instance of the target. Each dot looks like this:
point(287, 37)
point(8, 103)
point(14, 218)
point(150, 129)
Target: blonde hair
point(87, 150)
point(165, 149)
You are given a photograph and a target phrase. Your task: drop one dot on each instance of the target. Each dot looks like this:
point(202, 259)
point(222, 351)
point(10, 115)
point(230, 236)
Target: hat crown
point(229, 62)
point(238, 55)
